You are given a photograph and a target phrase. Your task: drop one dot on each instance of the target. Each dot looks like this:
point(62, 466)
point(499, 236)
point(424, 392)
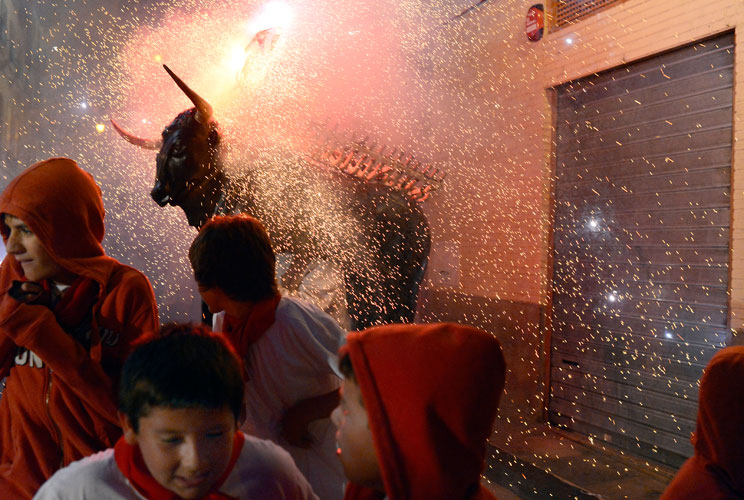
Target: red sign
point(535, 23)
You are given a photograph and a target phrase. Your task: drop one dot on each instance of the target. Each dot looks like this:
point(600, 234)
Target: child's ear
point(129, 435)
point(243, 416)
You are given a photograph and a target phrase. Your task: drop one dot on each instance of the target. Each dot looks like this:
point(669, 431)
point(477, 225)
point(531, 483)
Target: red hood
point(431, 394)
point(62, 205)
point(719, 437)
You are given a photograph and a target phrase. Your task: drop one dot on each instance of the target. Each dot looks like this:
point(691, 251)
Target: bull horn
point(137, 141)
point(203, 109)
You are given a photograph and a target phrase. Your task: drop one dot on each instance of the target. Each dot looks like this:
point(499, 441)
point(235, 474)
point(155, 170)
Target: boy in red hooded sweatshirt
point(417, 406)
point(68, 314)
point(716, 470)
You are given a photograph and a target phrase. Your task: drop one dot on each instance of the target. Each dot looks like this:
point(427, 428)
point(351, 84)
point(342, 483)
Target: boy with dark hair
point(417, 406)
point(68, 315)
point(716, 470)
point(180, 399)
point(234, 254)
point(288, 346)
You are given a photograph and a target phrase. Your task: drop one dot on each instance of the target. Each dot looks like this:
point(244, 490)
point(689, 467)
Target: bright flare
point(276, 14)
point(273, 15)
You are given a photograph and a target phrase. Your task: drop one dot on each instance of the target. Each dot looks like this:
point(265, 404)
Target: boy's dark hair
point(345, 367)
point(234, 254)
point(186, 366)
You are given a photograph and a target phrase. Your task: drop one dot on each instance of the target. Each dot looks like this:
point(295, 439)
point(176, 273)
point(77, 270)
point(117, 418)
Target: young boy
point(68, 315)
point(180, 399)
point(417, 406)
point(716, 470)
point(288, 346)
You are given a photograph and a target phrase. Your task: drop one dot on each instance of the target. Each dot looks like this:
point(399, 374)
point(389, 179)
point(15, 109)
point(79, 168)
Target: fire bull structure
point(348, 203)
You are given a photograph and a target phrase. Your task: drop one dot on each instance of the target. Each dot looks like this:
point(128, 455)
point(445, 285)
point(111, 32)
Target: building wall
point(19, 39)
point(503, 252)
point(640, 28)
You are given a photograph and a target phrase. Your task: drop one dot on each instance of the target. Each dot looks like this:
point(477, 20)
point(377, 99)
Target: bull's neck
point(233, 197)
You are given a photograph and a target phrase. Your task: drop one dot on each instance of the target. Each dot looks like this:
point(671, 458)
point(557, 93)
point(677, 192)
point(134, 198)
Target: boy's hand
point(294, 427)
point(30, 292)
point(16, 316)
point(298, 417)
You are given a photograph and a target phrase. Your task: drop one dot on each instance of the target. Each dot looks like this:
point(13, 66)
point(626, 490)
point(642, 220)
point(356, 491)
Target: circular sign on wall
point(535, 22)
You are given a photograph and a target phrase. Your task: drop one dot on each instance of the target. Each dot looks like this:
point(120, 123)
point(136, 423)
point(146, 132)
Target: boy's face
point(355, 447)
point(186, 450)
point(214, 297)
point(25, 246)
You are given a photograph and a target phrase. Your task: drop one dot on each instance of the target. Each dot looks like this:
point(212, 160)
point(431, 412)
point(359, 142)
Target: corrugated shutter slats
point(641, 246)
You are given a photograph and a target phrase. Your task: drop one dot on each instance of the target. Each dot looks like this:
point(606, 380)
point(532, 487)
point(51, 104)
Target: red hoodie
point(59, 402)
point(431, 393)
point(716, 470)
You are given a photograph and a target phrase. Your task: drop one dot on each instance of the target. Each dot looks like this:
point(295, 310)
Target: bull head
point(189, 171)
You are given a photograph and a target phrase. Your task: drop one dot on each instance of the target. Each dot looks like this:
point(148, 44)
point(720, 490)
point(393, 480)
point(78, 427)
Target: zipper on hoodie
point(57, 432)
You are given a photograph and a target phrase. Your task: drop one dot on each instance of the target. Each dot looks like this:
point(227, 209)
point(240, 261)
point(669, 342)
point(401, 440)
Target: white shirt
point(263, 472)
point(296, 359)
point(322, 285)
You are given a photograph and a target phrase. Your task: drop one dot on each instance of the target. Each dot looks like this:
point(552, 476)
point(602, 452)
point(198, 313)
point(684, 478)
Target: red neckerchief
point(130, 462)
point(242, 334)
point(76, 302)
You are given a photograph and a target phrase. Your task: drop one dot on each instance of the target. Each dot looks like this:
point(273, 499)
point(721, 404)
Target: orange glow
point(263, 85)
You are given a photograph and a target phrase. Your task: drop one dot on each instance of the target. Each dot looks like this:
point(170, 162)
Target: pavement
point(537, 461)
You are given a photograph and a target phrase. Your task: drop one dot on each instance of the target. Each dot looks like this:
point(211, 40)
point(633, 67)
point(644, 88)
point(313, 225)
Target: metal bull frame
point(396, 169)
point(381, 191)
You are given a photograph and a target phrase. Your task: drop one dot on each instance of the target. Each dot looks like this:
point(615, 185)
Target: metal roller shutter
point(641, 246)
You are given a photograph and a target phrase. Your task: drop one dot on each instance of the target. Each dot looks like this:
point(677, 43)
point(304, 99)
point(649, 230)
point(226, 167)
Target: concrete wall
point(19, 38)
point(499, 246)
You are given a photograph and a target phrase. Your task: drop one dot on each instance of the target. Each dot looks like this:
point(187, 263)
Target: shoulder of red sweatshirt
point(716, 471)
